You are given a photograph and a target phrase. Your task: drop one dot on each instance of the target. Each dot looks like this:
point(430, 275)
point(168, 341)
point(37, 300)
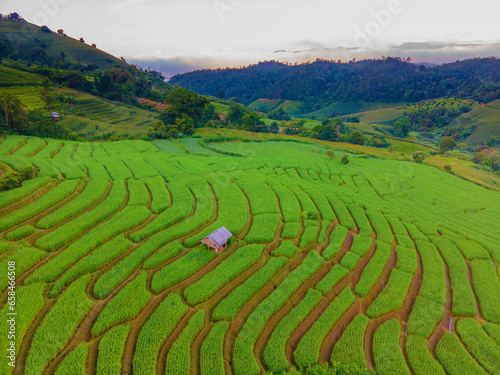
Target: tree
point(235, 114)
point(28, 172)
point(402, 127)
point(5, 50)
point(81, 40)
point(60, 32)
point(221, 94)
point(447, 168)
point(104, 85)
point(46, 83)
point(45, 29)
point(185, 102)
point(378, 141)
point(326, 133)
point(76, 81)
point(12, 110)
point(357, 138)
point(345, 159)
point(447, 144)
point(252, 122)
point(157, 131)
point(331, 154)
point(279, 114)
point(184, 125)
point(418, 157)
point(273, 128)
point(10, 181)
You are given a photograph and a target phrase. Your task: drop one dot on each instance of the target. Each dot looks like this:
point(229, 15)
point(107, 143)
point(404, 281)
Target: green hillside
point(337, 109)
point(485, 120)
point(89, 116)
point(14, 77)
point(264, 105)
point(362, 264)
point(28, 39)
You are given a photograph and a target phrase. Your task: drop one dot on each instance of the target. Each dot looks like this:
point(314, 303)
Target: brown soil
point(469, 277)
point(444, 324)
point(160, 106)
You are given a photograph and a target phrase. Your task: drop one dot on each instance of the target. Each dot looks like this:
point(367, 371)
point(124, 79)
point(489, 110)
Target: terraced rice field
point(380, 263)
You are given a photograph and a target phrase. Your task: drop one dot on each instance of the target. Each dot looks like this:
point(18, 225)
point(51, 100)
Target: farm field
point(381, 264)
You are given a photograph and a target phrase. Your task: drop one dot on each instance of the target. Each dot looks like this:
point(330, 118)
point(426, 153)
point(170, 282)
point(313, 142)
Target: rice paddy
point(381, 264)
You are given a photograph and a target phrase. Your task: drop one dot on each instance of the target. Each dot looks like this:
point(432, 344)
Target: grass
point(155, 331)
point(138, 241)
point(307, 352)
point(228, 269)
point(59, 324)
point(234, 301)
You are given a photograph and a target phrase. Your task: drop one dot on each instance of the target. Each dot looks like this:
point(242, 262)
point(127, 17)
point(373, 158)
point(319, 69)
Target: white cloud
point(254, 29)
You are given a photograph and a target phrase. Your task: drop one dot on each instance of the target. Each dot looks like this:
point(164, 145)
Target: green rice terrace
point(378, 264)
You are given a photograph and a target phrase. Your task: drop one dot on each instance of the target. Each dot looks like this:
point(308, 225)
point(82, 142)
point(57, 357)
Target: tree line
point(322, 82)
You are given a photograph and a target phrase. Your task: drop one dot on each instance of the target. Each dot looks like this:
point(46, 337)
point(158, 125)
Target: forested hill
point(322, 82)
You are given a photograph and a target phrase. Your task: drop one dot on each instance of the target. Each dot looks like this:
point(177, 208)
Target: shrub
point(28, 172)
point(418, 156)
point(447, 168)
point(10, 181)
point(447, 144)
point(331, 154)
point(345, 159)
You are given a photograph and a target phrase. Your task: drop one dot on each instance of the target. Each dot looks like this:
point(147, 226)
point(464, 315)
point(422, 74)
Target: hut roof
point(220, 236)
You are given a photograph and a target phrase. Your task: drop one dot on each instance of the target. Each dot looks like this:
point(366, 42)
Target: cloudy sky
point(175, 35)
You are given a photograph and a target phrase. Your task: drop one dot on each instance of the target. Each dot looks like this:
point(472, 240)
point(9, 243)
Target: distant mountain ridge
point(320, 83)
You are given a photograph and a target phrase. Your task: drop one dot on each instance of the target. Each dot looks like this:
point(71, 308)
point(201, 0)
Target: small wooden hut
point(217, 240)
